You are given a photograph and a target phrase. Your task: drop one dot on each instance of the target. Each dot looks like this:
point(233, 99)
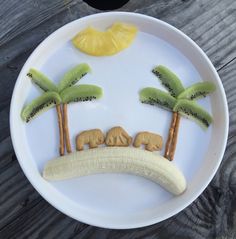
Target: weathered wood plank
point(6, 147)
point(9, 73)
point(35, 25)
point(28, 17)
point(4, 123)
point(16, 192)
point(211, 24)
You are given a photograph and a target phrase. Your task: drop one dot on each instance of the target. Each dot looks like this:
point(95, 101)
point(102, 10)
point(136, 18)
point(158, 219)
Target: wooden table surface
point(23, 212)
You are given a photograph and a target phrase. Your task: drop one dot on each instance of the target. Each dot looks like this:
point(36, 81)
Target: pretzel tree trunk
point(61, 134)
point(66, 129)
point(175, 137)
point(172, 137)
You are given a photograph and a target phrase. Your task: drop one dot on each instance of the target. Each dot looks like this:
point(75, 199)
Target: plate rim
point(194, 196)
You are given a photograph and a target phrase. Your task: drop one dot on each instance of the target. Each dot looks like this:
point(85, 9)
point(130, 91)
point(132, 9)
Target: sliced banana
point(117, 160)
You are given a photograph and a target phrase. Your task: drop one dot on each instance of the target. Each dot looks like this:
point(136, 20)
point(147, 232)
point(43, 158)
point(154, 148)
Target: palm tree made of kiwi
point(180, 101)
point(59, 96)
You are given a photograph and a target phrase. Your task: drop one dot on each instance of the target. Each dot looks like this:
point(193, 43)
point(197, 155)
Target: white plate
point(120, 200)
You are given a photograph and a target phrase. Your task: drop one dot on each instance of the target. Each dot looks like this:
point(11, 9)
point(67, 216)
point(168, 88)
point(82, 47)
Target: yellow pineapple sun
point(104, 43)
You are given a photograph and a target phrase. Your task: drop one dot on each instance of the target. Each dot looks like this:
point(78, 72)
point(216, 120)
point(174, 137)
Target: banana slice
point(117, 160)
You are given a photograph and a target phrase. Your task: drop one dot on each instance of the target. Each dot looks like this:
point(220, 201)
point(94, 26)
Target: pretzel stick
point(59, 116)
point(175, 137)
point(170, 136)
point(66, 129)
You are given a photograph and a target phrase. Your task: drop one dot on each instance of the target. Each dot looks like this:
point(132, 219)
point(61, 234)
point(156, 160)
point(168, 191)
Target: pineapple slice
point(97, 43)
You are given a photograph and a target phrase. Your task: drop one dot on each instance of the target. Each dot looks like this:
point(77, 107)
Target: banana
point(117, 160)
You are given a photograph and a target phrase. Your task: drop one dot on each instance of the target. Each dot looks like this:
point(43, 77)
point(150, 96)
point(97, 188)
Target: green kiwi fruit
point(198, 90)
point(41, 80)
point(192, 110)
point(39, 105)
point(81, 93)
point(153, 96)
point(73, 76)
point(169, 80)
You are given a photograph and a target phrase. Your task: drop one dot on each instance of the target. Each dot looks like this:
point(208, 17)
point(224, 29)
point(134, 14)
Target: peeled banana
point(117, 160)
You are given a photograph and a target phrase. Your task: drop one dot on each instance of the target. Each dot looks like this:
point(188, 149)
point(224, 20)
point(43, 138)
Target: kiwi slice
point(192, 110)
point(39, 105)
point(153, 96)
point(198, 90)
point(41, 80)
point(73, 76)
point(169, 80)
point(81, 93)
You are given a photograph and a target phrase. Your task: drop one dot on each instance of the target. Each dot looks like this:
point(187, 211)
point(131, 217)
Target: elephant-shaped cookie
point(151, 141)
point(93, 138)
point(117, 136)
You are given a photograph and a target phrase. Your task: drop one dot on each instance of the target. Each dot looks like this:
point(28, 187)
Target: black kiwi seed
point(199, 93)
point(75, 80)
point(39, 108)
point(88, 98)
point(147, 102)
point(189, 112)
point(169, 89)
point(165, 84)
point(40, 86)
point(159, 102)
point(152, 101)
point(82, 99)
point(158, 74)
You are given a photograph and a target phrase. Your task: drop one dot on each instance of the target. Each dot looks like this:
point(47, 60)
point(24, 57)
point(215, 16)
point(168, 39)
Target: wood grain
point(23, 212)
point(211, 24)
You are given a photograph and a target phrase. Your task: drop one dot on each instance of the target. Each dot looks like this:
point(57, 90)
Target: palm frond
point(169, 80)
point(73, 76)
point(81, 93)
point(197, 91)
point(39, 105)
point(41, 80)
point(192, 110)
point(153, 96)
